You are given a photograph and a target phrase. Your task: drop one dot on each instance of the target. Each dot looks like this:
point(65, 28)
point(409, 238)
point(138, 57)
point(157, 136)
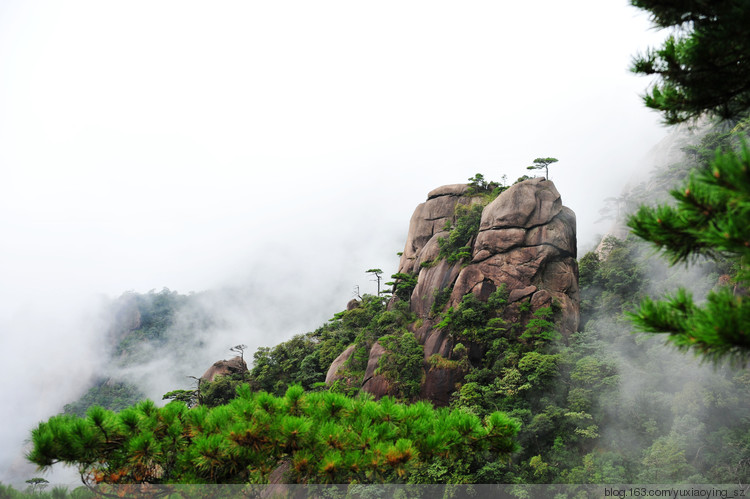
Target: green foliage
point(36, 489)
point(478, 185)
point(187, 397)
point(156, 312)
point(37, 484)
point(294, 361)
point(702, 66)
point(665, 460)
point(327, 438)
point(403, 285)
point(401, 364)
point(442, 295)
point(709, 219)
point(378, 274)
point(222, 389)
point(588, 269)
point(634, 412)
point(476, 320)
point(538, 367)
point(107, 393)
point(521, 179)
point(457, 246)
point(437, 361)
point(539, 329)
point(702, 69)
point(305, 359)
point(615, 282)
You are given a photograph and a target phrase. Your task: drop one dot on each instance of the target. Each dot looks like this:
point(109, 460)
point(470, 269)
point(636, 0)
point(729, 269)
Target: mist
point(271, 154)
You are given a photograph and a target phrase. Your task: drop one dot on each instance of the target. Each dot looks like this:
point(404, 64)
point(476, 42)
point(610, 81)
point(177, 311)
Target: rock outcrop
point(235, 365)
point(427, 225)
point(525, 242)
point(334, 371)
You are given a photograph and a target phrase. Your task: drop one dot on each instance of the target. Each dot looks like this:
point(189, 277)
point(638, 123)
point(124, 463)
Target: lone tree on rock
point(540, 163)
point(378, 276)
point(240, 349)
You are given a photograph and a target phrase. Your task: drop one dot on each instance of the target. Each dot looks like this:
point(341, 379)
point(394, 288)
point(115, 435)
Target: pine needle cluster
point(324, 437)
point(710, 218)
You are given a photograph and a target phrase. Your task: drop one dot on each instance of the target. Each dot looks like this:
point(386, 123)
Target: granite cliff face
point(526, 242)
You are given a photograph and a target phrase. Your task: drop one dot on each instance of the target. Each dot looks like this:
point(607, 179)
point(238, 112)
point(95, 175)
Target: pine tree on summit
point(544, 163)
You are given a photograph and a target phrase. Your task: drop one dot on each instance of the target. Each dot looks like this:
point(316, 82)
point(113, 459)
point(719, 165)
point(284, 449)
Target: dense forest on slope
point(601, 406)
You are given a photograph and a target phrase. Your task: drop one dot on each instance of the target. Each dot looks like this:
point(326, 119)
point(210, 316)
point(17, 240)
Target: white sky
point(150, 144)
point(197, 144)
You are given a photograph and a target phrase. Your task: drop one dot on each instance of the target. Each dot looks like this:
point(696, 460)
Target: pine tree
point(704, 65)
point(710, 218)
point(325, 436)
point(703, 69)
point(542, 163)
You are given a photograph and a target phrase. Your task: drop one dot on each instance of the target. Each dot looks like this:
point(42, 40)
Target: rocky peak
point(525, 242)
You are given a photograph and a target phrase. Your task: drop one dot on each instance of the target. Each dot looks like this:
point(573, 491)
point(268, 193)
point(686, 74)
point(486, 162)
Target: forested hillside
point(602, 405)
point(493, 355)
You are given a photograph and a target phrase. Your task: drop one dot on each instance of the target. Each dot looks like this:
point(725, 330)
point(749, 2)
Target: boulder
point(526, 204)
point(333, 371)
point(235, 365)
point(439, 384)
point(375, 384)
point(430, 281)
point(353, 303)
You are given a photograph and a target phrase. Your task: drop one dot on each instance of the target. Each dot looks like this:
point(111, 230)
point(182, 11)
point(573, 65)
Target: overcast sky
point(194, 145)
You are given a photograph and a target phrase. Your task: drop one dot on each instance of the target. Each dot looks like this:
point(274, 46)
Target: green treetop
point(704, 65)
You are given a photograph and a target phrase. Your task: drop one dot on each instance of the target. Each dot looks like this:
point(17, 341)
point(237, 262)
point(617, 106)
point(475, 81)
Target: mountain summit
point(521, 244)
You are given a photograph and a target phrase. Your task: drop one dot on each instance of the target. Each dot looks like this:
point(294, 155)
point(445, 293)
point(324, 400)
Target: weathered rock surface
point(225, 367)
point(375, 383)
point(526, 242)
point(334, 371)
point(427, 223)
point(526, 204)
point(353, 303)
point(438, 385)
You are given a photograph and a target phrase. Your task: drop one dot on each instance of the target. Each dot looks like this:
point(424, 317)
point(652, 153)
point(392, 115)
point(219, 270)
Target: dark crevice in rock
point(504, 227)
point(482, 259)
point(446, 194)
point(563, 252)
